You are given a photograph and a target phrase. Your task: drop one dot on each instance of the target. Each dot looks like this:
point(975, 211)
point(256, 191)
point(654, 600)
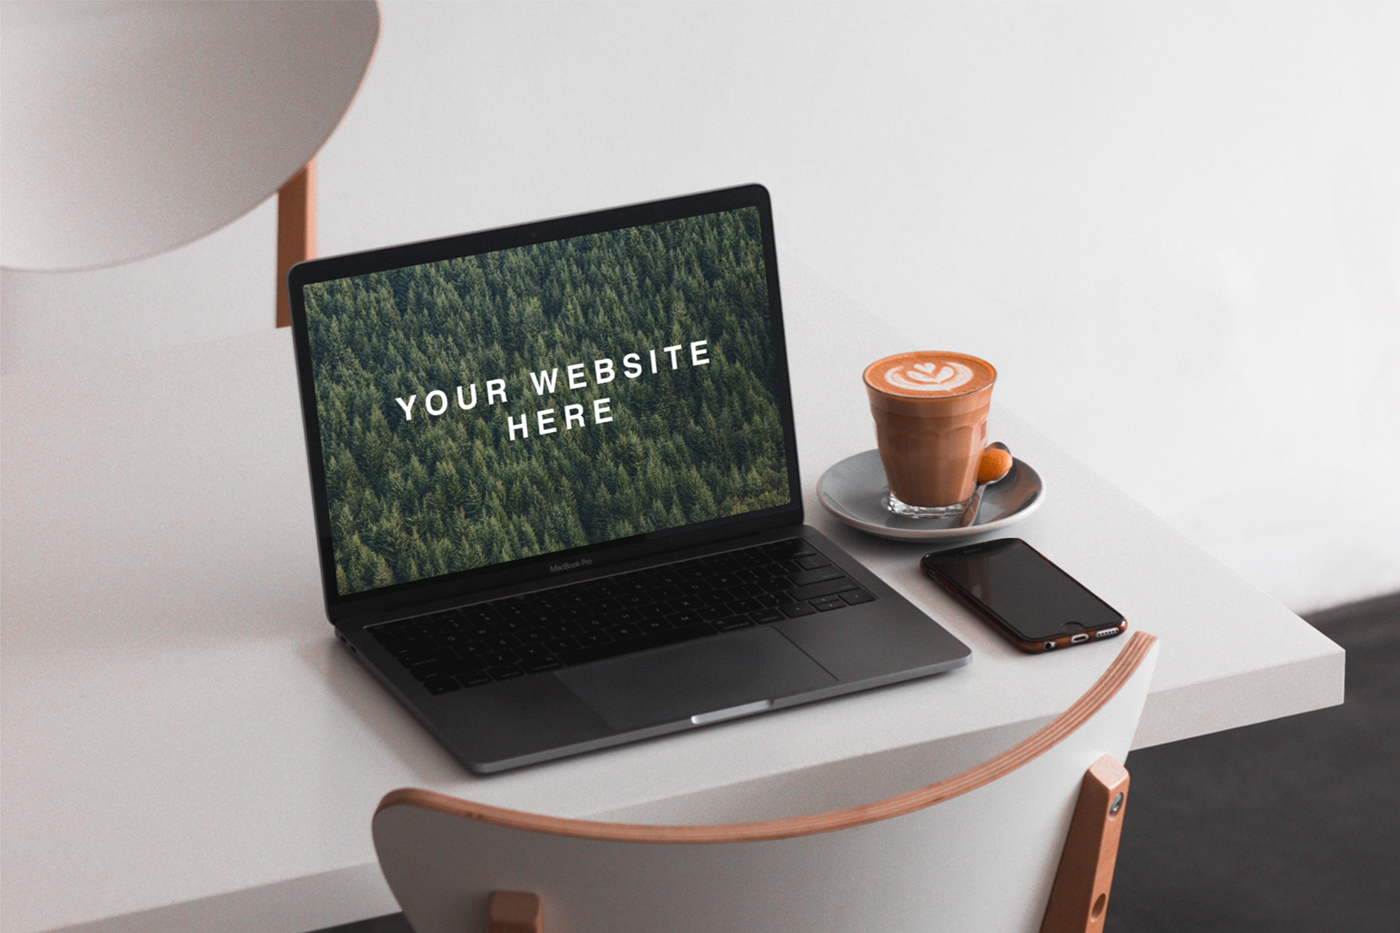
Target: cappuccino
point(930, 410)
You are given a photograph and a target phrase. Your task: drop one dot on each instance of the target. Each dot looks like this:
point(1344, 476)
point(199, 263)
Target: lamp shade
point(130, 129)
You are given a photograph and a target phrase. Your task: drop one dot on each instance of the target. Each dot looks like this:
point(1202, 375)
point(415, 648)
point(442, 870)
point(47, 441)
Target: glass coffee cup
point(930, 409)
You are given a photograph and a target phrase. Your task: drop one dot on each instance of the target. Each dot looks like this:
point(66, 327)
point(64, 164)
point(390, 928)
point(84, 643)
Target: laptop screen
point(541, 399)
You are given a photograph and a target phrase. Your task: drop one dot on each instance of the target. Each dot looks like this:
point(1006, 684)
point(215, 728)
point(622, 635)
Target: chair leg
point(1079, 898)
point(296, 231)
point(516, 912)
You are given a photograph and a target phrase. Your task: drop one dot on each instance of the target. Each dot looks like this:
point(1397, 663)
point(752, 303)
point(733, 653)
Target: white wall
point(1175, 229)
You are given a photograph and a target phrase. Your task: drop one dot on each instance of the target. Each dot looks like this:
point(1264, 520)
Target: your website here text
point(545, 382)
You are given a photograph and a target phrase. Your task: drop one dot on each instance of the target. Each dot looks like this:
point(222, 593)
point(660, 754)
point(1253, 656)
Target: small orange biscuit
point(995, 464)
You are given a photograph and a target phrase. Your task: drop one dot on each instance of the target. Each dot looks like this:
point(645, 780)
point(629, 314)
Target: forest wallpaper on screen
point(508, 404)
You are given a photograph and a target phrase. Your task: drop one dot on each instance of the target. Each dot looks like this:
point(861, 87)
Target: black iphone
point(1025, 597)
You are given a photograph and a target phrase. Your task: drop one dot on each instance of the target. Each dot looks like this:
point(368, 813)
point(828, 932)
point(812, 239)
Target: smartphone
point(1025, 597)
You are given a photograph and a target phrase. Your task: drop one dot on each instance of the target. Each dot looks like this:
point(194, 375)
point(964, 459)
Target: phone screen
point(1022, 590)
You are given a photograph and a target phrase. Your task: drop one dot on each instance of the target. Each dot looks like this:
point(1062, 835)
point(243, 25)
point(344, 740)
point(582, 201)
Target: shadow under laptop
point(411, 748)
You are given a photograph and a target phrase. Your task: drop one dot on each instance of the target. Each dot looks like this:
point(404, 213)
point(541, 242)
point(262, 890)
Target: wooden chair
point(978, 851)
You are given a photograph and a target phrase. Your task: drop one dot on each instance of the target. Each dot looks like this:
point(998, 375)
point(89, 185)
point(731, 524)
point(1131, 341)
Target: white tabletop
point(185, 740)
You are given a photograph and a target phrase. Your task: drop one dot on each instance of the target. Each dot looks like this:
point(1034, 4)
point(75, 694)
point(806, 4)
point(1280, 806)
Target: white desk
point(183, 736)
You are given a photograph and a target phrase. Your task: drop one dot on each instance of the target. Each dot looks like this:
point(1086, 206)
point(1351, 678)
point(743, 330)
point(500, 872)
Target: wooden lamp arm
point(296, 231)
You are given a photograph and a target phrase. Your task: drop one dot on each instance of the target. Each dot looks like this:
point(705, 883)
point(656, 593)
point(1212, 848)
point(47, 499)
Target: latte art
point(936, 376)
point(929, 375)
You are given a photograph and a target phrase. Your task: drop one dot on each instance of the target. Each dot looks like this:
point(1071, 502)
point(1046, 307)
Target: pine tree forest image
point(508, 404)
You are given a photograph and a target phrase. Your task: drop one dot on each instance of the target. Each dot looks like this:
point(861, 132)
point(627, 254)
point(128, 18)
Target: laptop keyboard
point(665, 605)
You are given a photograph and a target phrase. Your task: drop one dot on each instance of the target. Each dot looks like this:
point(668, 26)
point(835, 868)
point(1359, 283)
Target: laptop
point(556, 489)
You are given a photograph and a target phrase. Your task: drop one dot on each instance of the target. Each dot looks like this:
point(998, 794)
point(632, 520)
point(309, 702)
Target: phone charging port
point(1079, 639)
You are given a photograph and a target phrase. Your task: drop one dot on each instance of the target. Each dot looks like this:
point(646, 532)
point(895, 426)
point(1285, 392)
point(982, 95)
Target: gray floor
point(1291, 826)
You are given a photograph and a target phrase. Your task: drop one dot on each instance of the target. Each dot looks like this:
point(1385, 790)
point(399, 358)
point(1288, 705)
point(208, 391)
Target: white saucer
point(854, 491)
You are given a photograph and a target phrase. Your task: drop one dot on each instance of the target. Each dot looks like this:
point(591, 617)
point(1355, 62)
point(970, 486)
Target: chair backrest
point(979, 851)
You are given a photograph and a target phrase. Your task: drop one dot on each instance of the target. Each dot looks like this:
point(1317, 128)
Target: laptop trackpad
point(696, 679)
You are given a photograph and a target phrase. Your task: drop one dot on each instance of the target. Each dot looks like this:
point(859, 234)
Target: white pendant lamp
point(130, 129)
